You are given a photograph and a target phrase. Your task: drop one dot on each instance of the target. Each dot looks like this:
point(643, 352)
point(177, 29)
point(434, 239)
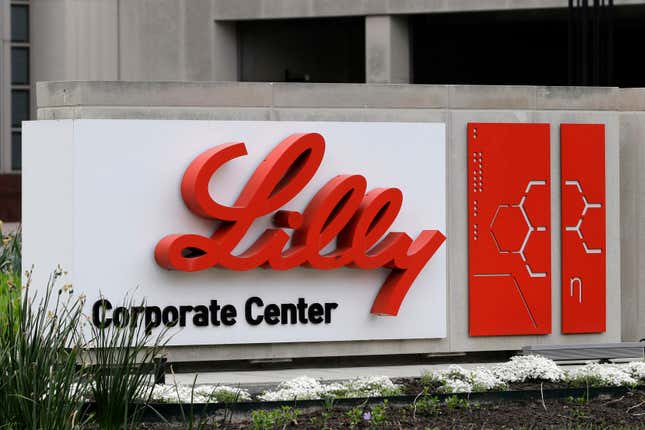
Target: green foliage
point(10, 287)
point(456, 402)
point(274, 419)
point(327, 412)
point(427, 405)
point(10, 255)
point(379, 415)
point(124, 362)
point(10, 262)
point(430, 381)
point(354, 416)
point(41, 386)
point(587, 381)
point(226, 396)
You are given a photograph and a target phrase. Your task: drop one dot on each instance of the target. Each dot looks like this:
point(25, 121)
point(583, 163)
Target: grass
point(45, 380)
point(41, 383)
point(124, 362)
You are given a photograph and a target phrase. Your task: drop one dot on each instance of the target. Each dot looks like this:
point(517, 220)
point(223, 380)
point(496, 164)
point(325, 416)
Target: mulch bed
point(625, 411)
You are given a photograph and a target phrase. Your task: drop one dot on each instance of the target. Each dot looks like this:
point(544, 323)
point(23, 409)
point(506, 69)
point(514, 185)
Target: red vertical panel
point(509, 229)
point(582, 158)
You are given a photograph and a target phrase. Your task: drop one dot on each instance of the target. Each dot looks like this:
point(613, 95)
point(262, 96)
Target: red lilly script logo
point(340, 210)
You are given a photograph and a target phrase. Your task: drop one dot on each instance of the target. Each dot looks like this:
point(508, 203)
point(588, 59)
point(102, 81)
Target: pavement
point(263, 378)
point(269, 377)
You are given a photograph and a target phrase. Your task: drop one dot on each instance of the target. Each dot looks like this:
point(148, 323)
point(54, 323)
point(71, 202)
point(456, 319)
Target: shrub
point(598, 375)
point(306, 388)
point(523, 368)
point(456, 379)
point(171, 393)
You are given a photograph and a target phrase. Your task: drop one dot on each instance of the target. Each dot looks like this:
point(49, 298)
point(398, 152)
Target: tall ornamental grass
point(40, 383)
point(125, 361)
point(45, 376)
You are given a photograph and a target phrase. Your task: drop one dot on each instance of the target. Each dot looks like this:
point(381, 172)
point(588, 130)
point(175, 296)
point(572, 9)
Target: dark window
point(16, 150)
point(19, 107)
point(491, 48)
point(20, 23)
point(20, 66)
point(531, 47)
point(303, 50)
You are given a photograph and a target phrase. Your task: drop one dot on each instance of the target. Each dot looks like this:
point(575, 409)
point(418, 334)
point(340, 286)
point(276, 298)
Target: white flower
point(368, 386)
point(636, 369)
point(301, 388)
point(456, 386)
point(595, 374)
point(528, 367)
point(171, 393)
point(484, 379)
point(456, 379)
point(304, 388)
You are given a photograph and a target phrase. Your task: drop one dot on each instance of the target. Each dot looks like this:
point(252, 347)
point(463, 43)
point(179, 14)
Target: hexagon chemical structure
point(577, 226)
point(530, 229)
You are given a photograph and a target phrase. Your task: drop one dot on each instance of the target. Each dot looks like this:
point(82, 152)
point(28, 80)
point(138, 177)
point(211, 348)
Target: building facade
point(309, 60)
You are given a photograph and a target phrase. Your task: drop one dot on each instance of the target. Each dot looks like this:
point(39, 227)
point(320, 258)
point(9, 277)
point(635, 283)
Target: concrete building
point(471, 60)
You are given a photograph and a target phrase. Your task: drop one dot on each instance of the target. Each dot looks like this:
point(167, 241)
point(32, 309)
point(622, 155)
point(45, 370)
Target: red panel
point(509, 229)
point(582, 158)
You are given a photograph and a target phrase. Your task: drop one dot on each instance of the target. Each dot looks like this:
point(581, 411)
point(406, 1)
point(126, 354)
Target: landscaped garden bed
point(526, 392)
point(52, 375)
point(619, 410)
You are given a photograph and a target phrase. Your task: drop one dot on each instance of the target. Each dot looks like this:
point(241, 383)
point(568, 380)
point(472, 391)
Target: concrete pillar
point(387, 49)
point(225, 52)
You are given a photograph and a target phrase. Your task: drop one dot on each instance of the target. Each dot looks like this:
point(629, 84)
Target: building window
point(20, 79)
point(302, 50)
point(19, 23)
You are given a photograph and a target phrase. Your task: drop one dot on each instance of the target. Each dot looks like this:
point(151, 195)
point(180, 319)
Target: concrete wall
point(129, 40)
point(456, 106)
point(273, 9)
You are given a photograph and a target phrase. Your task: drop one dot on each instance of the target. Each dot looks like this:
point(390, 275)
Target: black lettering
point(214, 308)
point(152, 318)
point(272, 314)
point(248, 310)
point(328, 308)
point(99, 310)
point(228, 314)
point(302, 307)
point(316, 312)
point(166, 318)
point(200, 319)
point(183, 310)
point(120, 317)
point(291, 310)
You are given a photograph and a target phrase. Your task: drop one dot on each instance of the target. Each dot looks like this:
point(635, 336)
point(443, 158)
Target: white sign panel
point(100, 195)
